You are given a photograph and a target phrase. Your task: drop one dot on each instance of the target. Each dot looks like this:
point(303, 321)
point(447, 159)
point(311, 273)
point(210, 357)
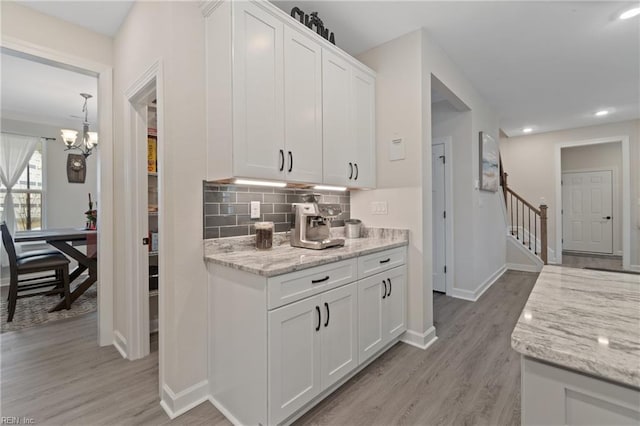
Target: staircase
point(527, 224)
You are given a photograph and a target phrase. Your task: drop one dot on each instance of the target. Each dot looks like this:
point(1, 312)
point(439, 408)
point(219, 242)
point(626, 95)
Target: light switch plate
point(255, 210)
point(379, 207)
point(396, 149)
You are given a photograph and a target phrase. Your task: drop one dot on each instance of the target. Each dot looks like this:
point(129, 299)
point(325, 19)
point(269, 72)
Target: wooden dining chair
point(29, 264)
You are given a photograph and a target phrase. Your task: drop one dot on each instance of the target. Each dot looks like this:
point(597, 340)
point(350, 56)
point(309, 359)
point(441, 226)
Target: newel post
point(543, 232)
point(504, 185)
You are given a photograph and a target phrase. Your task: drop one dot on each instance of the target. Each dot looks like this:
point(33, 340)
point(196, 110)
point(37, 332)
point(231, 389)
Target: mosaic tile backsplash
point(226, 208)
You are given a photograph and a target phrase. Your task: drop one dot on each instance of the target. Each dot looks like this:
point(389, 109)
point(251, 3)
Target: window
point(28, 194)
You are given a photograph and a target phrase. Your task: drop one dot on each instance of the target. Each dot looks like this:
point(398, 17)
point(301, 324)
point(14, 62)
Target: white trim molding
point(420, 340)
point(120, 342)
point(225, 412)
point(626, 192)
point(472, 296)
point(176, 404)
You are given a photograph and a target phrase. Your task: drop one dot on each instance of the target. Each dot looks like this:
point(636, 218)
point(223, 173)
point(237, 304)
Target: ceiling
point(548, 65)
point(41, 93)
point(104, 17)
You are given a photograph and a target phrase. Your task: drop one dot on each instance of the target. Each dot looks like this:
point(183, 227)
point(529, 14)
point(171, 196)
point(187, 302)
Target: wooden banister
point(520, 213)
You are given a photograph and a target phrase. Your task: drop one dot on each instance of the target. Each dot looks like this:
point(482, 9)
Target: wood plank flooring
point(470, 375)
point(57, 375)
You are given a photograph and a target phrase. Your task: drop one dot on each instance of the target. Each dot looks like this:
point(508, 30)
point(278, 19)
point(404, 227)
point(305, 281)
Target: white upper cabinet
point(258, 93)
point(302, 107)
point(363, 89)
point(283, 103)
point(348, 111)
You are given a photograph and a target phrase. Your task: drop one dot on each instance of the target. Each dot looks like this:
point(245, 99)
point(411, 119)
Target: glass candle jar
point(264, 235)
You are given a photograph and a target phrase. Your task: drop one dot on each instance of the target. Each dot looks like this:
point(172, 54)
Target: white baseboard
point(475, 295)
point(175, 404)
point(120, 343)
point(224, 411)
point(523, 268)
point(420, 340)
point(635, 268)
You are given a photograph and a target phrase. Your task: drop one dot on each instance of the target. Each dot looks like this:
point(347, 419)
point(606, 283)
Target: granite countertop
point(584, 320)
point(240, 252)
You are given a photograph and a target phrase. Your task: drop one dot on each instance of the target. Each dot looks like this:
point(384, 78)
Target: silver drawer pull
point(321, 280)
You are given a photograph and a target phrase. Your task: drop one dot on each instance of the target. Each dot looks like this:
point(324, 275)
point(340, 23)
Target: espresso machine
point(313, 224)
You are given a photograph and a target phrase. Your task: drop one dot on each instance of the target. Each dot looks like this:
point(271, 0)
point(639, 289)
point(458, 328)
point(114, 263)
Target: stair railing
point(528, 223)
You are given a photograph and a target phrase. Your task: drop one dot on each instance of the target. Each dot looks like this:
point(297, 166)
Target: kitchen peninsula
point(579, 336)
point(290, 325)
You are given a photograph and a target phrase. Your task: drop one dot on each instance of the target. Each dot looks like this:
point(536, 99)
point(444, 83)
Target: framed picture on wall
point(489, 163)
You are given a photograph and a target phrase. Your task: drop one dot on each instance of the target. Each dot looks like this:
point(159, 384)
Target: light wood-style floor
point(57, 375)
point(580, 260)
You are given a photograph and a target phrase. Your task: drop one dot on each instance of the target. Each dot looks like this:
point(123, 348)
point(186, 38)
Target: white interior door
point(587, 222)
point(438, 164)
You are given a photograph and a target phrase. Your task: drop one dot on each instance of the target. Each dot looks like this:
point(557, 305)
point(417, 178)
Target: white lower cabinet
point(381, 310)
point(294, 357)
point(278, 345)
point(312, 345)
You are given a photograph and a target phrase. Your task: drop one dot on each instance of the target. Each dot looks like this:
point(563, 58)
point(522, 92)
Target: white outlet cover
point(255, 210)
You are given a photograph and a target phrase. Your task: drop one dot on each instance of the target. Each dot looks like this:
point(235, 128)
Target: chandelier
point(89, 139)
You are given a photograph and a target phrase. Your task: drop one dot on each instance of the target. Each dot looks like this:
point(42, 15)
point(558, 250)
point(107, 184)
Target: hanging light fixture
point(89, 139)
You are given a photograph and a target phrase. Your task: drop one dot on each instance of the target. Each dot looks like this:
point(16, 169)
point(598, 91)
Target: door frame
point(615, 181)
point(135, 143)
point(626, 193)
point(104, 162)
point(449, 277)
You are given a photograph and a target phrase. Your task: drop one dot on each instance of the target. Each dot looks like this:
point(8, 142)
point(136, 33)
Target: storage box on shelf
point(281, 344)
point(284, 103)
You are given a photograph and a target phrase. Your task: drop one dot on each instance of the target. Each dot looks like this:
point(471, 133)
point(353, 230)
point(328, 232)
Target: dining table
point(66, 240)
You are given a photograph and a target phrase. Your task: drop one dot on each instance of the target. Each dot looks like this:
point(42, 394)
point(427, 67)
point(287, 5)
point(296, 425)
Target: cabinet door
point(394, 311)
point(338, 147)
point(294, 357)
point(302, 107)
point(370, 327)
point(339, 333)
point(363, 122)
point(258, 93)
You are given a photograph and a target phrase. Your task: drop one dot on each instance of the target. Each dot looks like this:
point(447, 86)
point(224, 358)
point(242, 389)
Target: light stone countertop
point(240, 252)
point(584, 320)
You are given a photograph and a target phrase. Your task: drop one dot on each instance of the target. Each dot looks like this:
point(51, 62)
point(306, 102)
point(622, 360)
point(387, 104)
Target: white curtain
point(15, 153)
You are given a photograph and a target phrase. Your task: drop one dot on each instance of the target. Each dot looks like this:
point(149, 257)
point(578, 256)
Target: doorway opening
point(144, 174)
point(52, 195)
point(592, 205)
point(450, 127)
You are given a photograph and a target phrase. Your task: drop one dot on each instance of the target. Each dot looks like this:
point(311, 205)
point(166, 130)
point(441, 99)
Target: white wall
point(65, 203)
point(25, 24)
point(403, 109)
point(174, 33)
point(529, 161)
point(606, 156)
point(478, 215)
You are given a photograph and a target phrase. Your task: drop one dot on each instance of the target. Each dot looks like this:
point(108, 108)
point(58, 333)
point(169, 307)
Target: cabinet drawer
point(288, 288)
point(378, 262)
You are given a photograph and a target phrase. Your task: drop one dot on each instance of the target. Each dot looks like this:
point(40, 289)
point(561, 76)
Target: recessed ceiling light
point(630, 13)
point(602, 113)
point(527, 130)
